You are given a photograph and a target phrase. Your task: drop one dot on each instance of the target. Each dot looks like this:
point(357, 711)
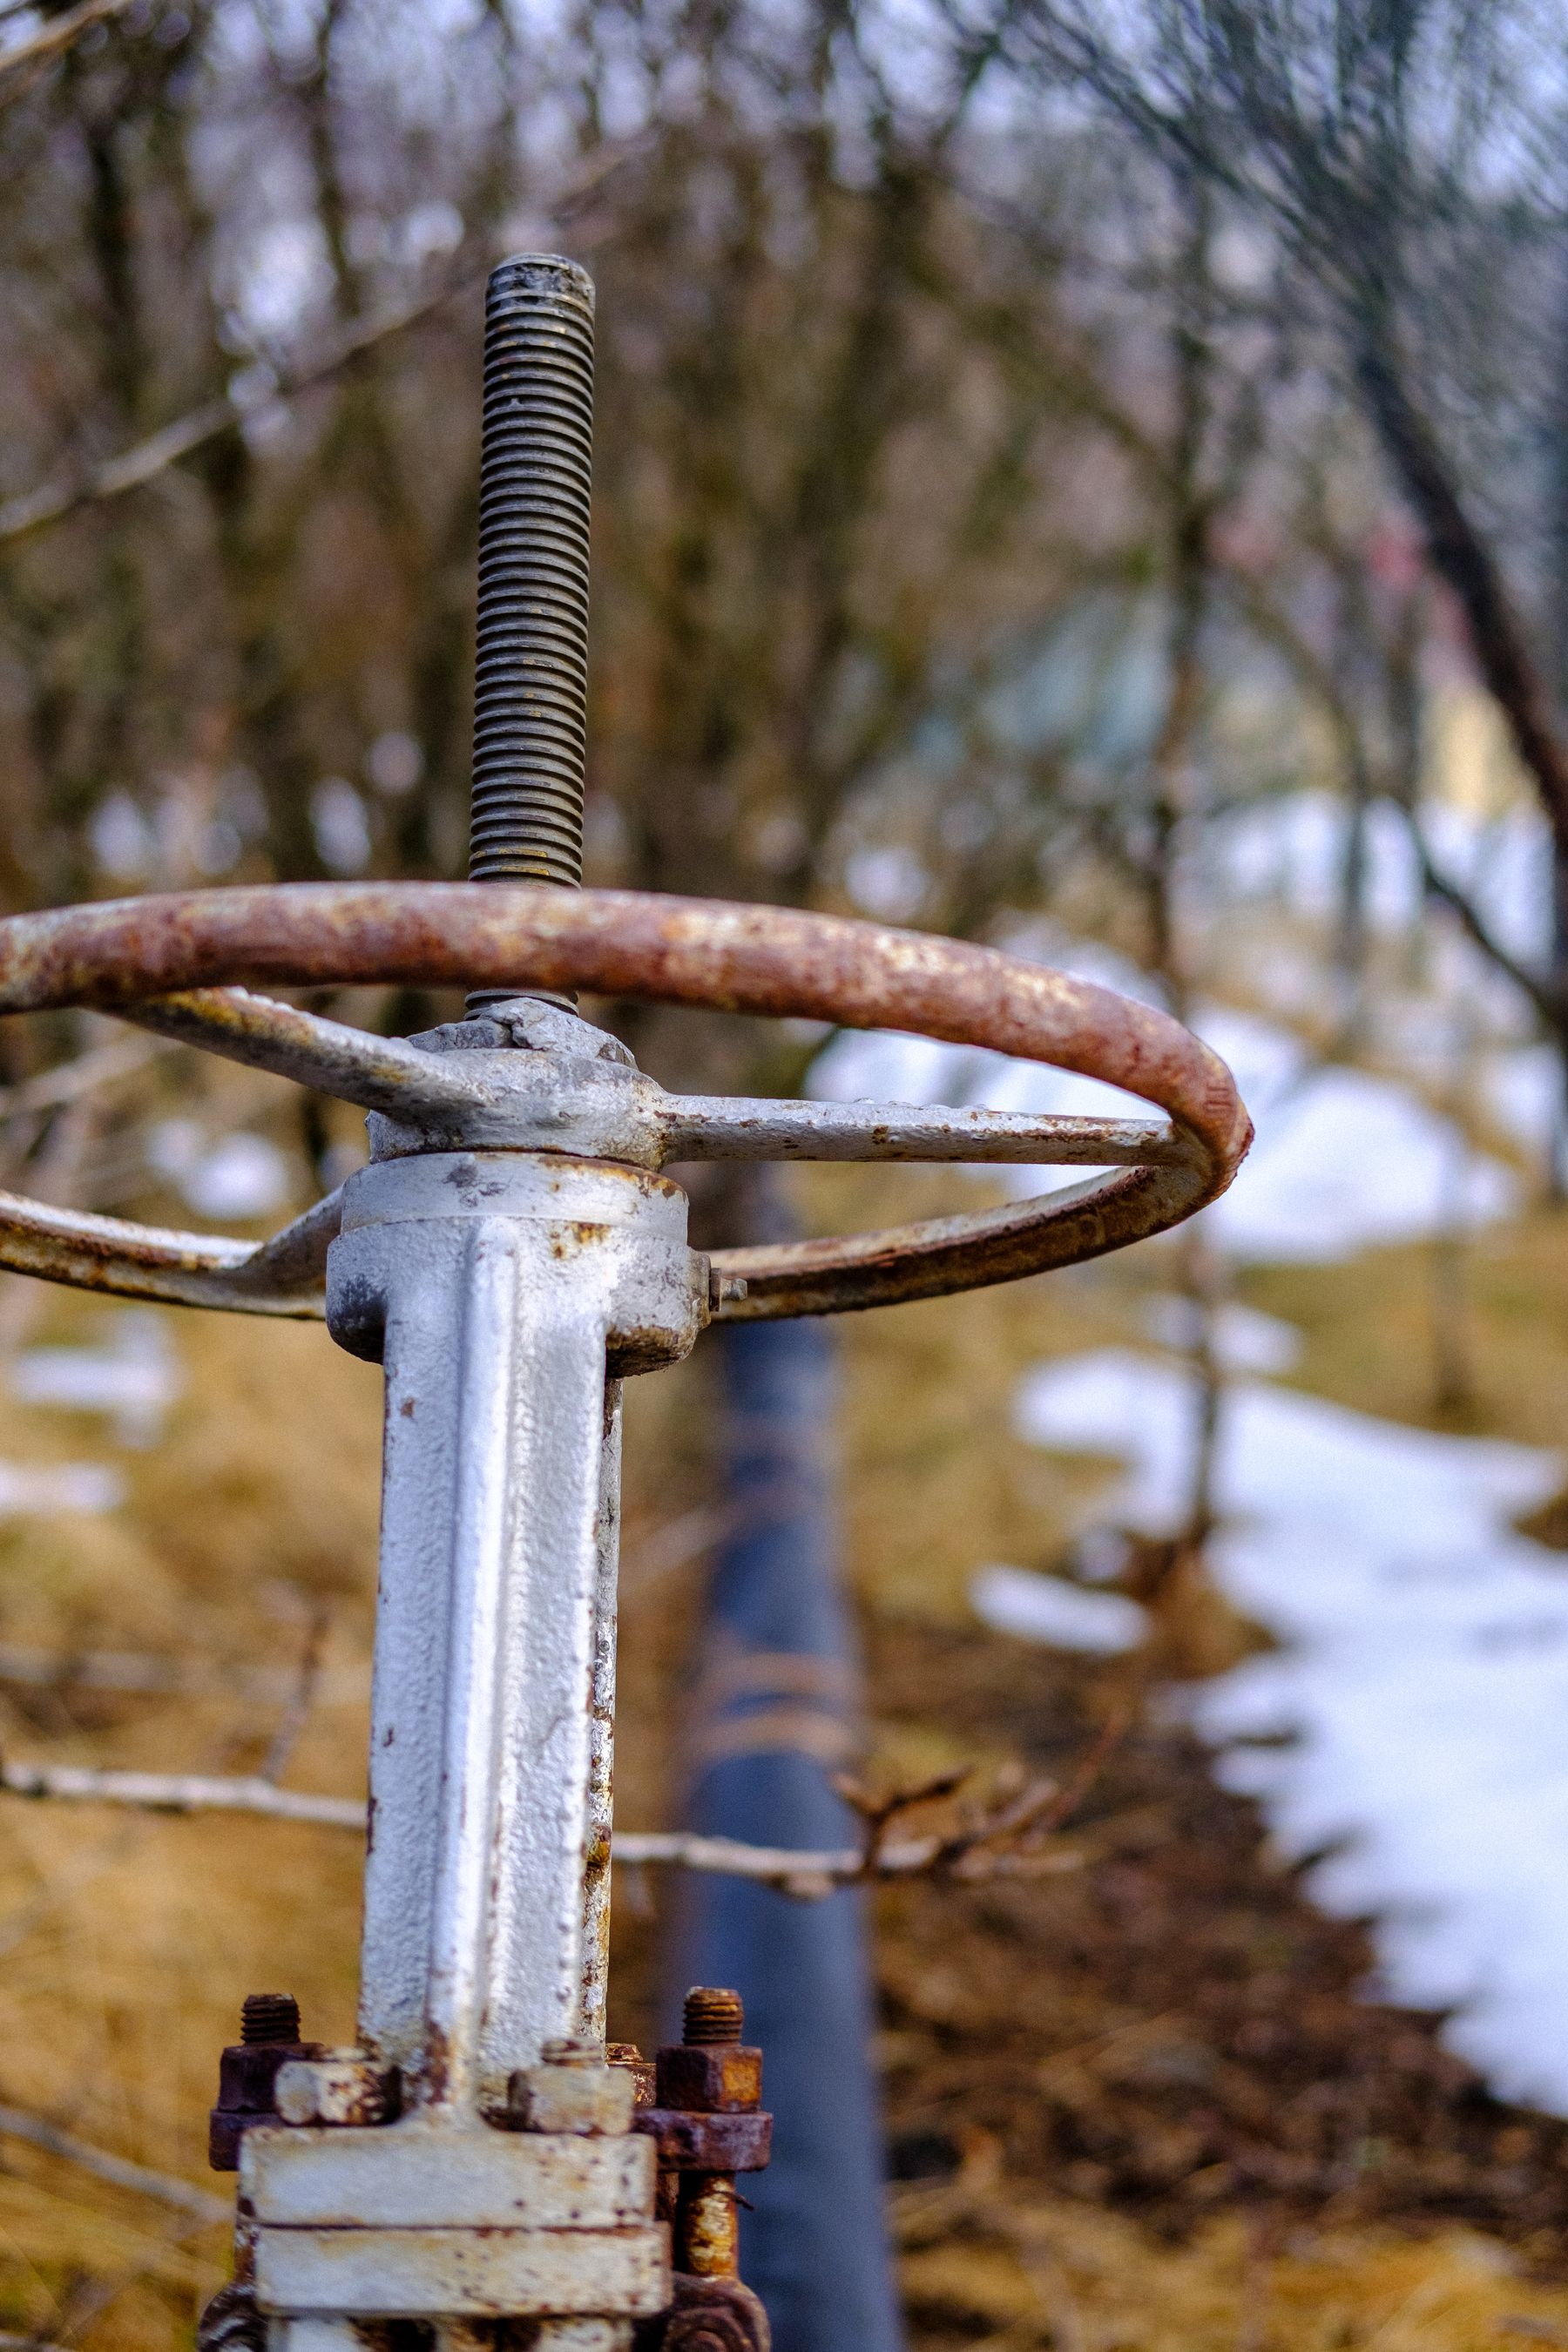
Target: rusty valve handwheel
point(181, 964)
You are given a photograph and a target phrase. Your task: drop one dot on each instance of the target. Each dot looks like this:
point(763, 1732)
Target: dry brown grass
point(1088, 2281)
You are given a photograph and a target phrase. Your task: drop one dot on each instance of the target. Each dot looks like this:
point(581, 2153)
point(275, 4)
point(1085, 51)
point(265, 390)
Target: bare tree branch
point(1468, 569)
point(17, 2123)
point(141, 1675)
point(64, 1081)
point(1319, 680)
point(34, 509)
point(181, 1792)
point(25, 59)
point(977, 1851)
point(810, 1876)
point(1547, 999)
point(302, 1698)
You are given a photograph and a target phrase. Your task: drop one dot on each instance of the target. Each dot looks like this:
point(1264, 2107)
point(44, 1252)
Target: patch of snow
point(1290, 852)
point(44, 1489)
point(339, 826)
point(1349, 1161)
point(1422, 1690)
point(1243, 1339)
point(241, 1175)
point(887, 880)
point(1099, 1555)
point(1524, 1090)
point(1049, 1610)
point(135, 1378)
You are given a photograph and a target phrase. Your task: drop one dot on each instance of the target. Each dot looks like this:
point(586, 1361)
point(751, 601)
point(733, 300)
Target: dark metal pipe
point(530, 682)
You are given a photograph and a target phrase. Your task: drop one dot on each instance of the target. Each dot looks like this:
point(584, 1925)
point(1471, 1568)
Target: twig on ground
point(181, 1792)
point(1092, 1764)
point(297, 1714)
point(812, 1876)
point(1007, 1841)
point(806, 1874)
point(880, 1813)
point(17, 2123)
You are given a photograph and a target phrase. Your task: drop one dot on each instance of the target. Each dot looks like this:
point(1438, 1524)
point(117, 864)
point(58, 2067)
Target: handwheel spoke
point(284, 1275)
point(731, 1126)
point(383, 1073)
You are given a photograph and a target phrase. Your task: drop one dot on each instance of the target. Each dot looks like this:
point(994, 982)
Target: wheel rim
point(697, 952)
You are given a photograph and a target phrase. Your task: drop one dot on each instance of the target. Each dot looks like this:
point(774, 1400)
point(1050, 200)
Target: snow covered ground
point(133, 1375)
point(1411, 1730)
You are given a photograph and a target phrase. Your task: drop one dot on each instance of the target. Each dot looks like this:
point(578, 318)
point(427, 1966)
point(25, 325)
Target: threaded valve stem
point(530, 696)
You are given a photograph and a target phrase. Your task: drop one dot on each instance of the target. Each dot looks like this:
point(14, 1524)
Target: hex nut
point(590, 2101)
point(340, 2086)
point(248, 2075)
point(710, 2078)
point(733, 2142)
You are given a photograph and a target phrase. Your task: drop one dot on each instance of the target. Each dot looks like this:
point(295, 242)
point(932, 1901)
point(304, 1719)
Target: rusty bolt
point(249, 2071)
point(627, 2055)
point(564, 2053)
point(711, 2078)
point(708, 2143)
point(709, 2073)
point(712, 2014)
point(708, 2314)
point(270, 2017)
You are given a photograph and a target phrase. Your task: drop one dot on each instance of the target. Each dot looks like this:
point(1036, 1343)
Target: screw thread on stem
point(714, 2013)
point(531, 685)
point(270, 2017)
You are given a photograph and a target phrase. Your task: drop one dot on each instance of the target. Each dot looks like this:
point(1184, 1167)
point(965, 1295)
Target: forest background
point(1097, 480)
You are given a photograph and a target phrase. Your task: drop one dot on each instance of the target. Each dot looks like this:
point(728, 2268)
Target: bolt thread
point(714, 2013)
point(564, 2053)
point(530, 685)
point(270, 2017)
